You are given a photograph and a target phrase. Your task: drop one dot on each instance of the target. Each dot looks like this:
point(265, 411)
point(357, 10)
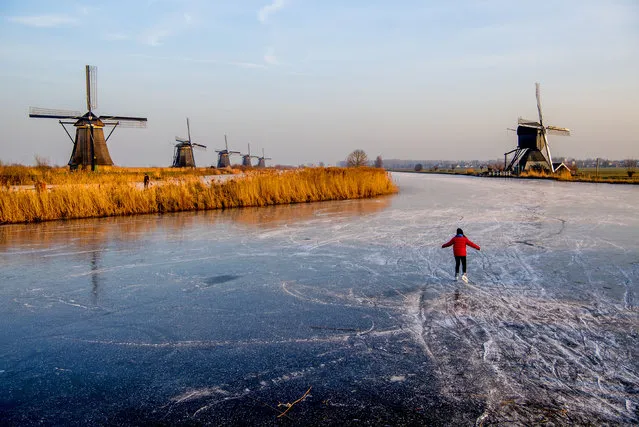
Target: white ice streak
point(541, 357)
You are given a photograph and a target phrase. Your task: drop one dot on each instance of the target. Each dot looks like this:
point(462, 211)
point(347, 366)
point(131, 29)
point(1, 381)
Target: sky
point(309, 81)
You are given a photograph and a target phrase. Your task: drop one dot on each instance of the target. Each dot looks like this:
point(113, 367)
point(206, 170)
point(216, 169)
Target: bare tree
point(357, 158)
point(379, 163)
point(631, 166)
point(41, 162)
point(419, 167)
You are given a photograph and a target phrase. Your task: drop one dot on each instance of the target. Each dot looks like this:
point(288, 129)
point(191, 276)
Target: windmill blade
point(49, 113)
point(124, 123)
point(226, 143)
point(188, 128)
point(92, 87)
point(184, 140)
point(556, 130)
point(198, 145)
point(123, 118)
point(538, 95)
point(549, 157)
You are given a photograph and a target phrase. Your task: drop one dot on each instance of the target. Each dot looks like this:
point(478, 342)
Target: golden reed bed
point(113, 196)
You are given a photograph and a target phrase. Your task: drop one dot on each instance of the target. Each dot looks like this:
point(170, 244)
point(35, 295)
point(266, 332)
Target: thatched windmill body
point(89, 145)
point(223, 156)
point(246, 158)
point(533, 149)
point(183, 156)
point(261, 163)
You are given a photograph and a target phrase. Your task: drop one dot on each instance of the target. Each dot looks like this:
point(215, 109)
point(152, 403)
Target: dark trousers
point(463, 263)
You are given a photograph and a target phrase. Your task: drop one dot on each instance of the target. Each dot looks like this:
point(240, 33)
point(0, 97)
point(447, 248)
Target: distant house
point(560, 166)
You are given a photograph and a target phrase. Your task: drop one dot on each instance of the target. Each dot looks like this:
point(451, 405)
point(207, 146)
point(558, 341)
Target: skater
point(459, 243)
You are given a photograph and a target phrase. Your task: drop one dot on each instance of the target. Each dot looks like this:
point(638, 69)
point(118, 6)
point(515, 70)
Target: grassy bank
point(113, 197)
point(604, 175)
point(11, 175)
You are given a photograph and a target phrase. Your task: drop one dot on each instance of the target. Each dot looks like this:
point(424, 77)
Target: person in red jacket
point(459, 243)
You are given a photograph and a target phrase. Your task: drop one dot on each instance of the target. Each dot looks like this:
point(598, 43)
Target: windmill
point(223, 159)
point(533, 150)
point(89, 145)
point(246, 158)
point(183, 155)
point(261, 163)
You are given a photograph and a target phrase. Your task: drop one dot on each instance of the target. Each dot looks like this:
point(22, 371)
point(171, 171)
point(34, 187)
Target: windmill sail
point(124, 121)
point(92, 87)
point(554, 130)
point(538, 96)
point(50, 113)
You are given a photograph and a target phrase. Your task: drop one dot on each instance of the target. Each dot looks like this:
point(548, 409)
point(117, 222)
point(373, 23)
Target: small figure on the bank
point(459, 242)
point(146, 181)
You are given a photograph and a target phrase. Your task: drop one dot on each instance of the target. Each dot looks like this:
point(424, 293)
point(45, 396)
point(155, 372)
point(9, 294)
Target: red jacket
point(459, 243)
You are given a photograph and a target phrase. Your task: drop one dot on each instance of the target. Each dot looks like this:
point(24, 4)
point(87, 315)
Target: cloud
point(265, 11)
point(44, 21)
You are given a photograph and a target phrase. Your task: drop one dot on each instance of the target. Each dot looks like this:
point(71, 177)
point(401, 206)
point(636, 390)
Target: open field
point(113, 194)
point(604, 175)
point(620, 174)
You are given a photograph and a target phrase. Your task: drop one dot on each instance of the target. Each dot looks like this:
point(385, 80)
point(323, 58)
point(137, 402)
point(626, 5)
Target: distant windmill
point(89, 145)
point(223, 159)
point(533, 150)
point(183, 156)
point(261, 163)
point(246, 158)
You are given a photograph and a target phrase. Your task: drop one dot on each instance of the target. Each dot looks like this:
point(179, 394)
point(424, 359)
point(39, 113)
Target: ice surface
point(217, 317)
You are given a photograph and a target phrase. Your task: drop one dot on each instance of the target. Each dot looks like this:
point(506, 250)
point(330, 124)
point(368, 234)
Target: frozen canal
point(217, 317)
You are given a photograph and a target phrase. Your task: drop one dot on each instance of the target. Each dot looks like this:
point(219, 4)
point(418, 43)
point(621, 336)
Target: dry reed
point(30, 175)
point(112, 197)
point(565, 175)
